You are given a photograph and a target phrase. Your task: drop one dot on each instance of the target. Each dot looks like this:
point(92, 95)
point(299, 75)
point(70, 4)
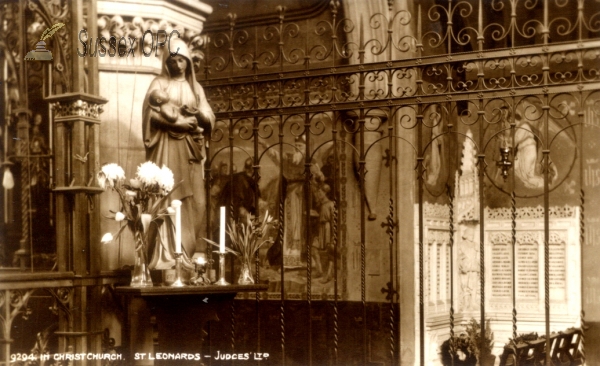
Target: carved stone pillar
point(76, 149)
point(76, 152)
point(21, 155)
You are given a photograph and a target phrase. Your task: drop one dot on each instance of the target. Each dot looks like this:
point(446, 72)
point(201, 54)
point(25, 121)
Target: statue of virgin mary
point(176, 145)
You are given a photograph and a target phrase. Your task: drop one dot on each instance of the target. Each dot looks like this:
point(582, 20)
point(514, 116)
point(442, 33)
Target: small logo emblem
point(41, 53)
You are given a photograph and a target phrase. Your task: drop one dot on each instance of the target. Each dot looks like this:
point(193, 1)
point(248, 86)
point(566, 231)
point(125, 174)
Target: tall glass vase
point(246, 273)
point(140, 275)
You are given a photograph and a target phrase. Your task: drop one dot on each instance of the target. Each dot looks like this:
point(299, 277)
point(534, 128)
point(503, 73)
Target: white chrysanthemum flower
point(107, 238)
point(148, 173)
point(167, 180)
point(119, 216)
point(112, 173)
point(135, 183)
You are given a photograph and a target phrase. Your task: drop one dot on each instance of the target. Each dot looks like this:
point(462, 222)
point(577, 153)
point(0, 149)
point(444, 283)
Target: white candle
point(176, 204)
point(222, 231)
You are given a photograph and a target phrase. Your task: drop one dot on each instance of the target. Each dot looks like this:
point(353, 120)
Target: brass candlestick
point(221, 281)
point(178, 282)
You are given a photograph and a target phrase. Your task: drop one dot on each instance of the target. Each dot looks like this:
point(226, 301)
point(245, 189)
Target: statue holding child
point(176, 116)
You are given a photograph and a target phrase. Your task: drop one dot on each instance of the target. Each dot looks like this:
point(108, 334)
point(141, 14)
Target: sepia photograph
point(299, 182)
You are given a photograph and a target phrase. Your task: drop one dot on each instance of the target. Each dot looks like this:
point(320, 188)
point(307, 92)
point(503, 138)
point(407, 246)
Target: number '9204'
point(23, 357)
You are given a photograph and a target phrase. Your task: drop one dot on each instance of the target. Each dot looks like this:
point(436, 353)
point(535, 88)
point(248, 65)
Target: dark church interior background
point(429, 164)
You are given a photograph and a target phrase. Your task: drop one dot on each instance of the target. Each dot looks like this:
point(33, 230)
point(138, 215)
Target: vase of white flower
point(140, 275)
point(142, 204)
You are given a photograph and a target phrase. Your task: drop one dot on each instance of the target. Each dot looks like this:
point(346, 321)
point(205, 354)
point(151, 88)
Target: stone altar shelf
point(188, 290)
point(181, 315)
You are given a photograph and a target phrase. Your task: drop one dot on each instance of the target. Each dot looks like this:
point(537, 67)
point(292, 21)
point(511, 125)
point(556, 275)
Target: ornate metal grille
point(394, 145)
point(490, 103)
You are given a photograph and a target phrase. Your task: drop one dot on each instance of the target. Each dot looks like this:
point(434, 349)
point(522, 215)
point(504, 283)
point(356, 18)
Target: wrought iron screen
point(437, 135)
point(427, 166)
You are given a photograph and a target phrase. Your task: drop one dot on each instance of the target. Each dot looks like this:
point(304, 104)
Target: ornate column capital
point(189, 15)
point(130, 19)
point(76, 105)
point(76, 144)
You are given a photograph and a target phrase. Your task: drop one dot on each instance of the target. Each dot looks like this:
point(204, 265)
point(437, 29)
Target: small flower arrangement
point(467, 348)
point(457, 351)
point(142, 201)
point(246, 239)
point(476, 346)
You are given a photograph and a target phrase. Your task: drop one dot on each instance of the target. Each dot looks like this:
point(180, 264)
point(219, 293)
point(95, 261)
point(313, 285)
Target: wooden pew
point(564, 350)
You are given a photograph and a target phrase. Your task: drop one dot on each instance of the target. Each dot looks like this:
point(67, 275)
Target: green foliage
point(476, 346)
point(247, 237)
point(455, 352)
point(467, 348)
